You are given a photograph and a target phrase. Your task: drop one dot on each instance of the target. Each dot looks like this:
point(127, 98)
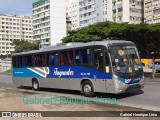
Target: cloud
point(18, 7)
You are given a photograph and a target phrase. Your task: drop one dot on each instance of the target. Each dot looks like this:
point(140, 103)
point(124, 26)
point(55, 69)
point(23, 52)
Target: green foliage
point(145, 36)
point(21, 45)
point(9, 71)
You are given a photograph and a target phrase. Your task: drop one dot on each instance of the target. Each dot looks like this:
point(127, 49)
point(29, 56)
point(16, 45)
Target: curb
point(149, 79)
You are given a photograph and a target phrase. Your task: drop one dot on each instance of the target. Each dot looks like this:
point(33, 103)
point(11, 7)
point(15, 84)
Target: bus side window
point(56, 59)
point(66, 58)
point(88, 56)
point(14, 62)
point(50, 59)
point(37, 60)
point(19, 61)
point(23, 61)
point(43, 60)
point(79, 57)
point(83, 56)
point(61, 59)
point(77, 61)
point(40, 60)
point(30, 60)
point(99, 60)
point(69, 57)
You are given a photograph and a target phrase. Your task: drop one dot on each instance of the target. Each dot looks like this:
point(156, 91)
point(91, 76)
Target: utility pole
point(153, 68)
point(155, 55)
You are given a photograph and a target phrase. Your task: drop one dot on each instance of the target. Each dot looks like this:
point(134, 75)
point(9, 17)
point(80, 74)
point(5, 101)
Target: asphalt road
point(148, 98)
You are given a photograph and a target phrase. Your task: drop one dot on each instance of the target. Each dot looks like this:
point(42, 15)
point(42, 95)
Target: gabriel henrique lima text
point(65, 100)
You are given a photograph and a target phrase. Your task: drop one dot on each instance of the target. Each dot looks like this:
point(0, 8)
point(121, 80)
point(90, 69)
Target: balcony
point(156, 16)
point(148, 9)
point(149, 18)
point(114, 15)
point(120, 5)
point(119, 21)
point(87, 11)
point(113, 7)
point(156, 6)
point(136, 14)
point(87, 4)
point(87, 17)
point(120, 14)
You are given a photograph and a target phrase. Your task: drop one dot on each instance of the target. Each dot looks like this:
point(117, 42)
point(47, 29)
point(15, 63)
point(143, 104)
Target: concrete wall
point(5, 65)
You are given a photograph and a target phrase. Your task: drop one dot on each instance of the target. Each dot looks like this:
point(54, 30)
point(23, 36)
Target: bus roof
point(66, 46)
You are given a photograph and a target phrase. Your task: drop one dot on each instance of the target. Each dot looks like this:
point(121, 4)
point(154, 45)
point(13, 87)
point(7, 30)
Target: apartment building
point(125, 11)
point(14, 27)
point(86, 12)
point(151, 11)
point(73, 14)
point(92, 11)
point(49, 21)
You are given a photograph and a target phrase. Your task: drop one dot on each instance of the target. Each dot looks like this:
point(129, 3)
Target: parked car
point(157, 66)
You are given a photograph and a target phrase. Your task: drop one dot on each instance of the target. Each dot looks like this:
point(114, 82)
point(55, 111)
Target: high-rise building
point(151, 11)
point(86, 12)
point(12, 28)
point(49, 21)
point(92, 11)
point(73, 14)
point(125, 11)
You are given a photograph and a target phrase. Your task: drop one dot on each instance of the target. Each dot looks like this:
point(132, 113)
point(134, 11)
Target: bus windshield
point(125, 59)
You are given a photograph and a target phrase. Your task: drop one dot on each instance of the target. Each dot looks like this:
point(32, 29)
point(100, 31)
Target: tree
point(21, 46)
point(145, 36)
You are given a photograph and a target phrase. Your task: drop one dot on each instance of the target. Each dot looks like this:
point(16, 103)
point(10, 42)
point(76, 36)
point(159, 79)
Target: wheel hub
point(35, 85)
point(87, 88)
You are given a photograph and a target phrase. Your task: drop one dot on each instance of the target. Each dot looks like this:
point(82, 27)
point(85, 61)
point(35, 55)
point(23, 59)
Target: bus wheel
point(87, 89)
point(35, 84)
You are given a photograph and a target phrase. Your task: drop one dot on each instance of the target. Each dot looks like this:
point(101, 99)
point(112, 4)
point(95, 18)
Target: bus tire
point(35, 84)
point(87, 89)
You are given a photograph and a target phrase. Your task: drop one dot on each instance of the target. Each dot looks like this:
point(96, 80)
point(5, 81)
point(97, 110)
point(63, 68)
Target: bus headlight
point(118, 81)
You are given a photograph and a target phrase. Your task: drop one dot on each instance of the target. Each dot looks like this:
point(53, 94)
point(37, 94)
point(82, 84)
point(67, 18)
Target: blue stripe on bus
point(24, 72)
point(62, 72)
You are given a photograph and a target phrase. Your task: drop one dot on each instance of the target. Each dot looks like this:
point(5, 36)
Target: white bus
point(109, 66)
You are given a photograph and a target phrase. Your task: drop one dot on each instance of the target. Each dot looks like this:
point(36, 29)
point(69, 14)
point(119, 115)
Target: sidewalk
point(152, 80)
point(148, 77)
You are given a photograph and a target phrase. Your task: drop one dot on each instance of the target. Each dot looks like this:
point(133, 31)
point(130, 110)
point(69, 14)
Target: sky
point(16, 7)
